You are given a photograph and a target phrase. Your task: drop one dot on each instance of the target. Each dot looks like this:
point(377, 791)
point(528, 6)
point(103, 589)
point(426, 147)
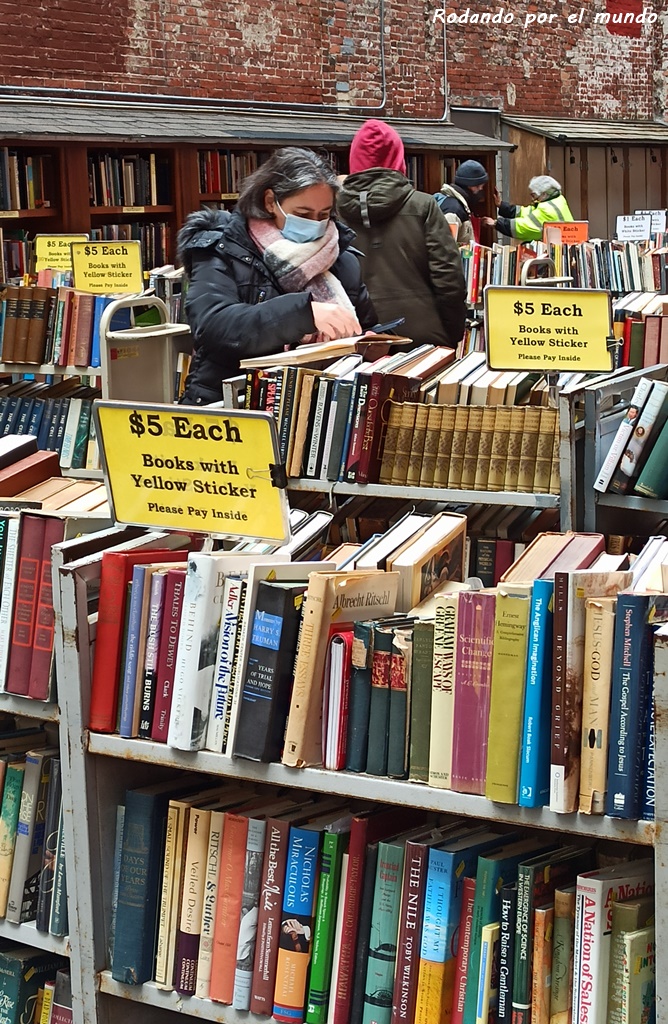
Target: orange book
point(228, 907)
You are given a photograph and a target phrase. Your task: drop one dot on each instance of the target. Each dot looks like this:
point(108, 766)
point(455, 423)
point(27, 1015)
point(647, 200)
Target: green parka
point(411, 265)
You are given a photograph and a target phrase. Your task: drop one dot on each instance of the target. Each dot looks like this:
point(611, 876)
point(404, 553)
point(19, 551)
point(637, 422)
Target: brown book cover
point(39, 313)
point(84, 331)
point(499, 453)
point(535, 560)
point(545, 450)
point(458, 445)
point(70, 327)
point(436, 554)
point(11, 295)
point(28, 472)
point(431, 440)
point(554, 486)
point(23, 313)
point(22, 632)
point(529, 446)
point(301, 428)
point(14, 447)
point(471, 447)
point(515, 434)
point(443, 452)
point(390, 446)
point(487, 426)
point(417, 445)
point(404, 444)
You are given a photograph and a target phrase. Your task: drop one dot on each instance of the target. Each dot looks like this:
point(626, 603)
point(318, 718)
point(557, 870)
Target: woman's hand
point(334, 321)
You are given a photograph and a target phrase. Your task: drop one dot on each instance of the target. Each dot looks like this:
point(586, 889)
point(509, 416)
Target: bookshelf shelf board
point(124, 211)
point(57, 371)
point(27, 934)
point(83, 474)
point(39, 213)
point(216, 197)
point(28, 707)
point(366, 787)
point(426, 493)
point(634, 503)
point(151, 995)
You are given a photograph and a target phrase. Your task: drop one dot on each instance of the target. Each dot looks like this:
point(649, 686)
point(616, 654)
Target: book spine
point(458, 446)
point(624, 431)
point(29, 839)
point(534, 781)
point(234, 683)
point(149, 681)
point(243, 974)
point(205, 955)
point(58, 919)
point(372, 424)
point(404, 444)
point(364, 936)
point(42, 653)
point(46, 875)
point(168, 914)
point(9, 816)
point(514, 448)
point(561, 998)
point(650, 422)
point(384, 925)
point(315, 446)
point(331, 468)
point(442, 693)
point(475, 630)
point(391, 439)
point(521, 991)
point(487, 993)
point(357, 431)
point(463, 951)
point(269, 916)
point(229, 625)
point(228, 908)
point(294, 952)
point(190, 922)
point(106, 662)
point(133, 656)
point(360, 697)
point(7, 595)
point(499, 451)
point(169, 638)
point(25, 604)
point(417, 446)
point(420, 700)
point(343, 981)
point(379, 703)
point(541, 983)
point(323, 934)
point(398, 725)
point(506, 952)
point(596, 690)
point(410, 933)
point(559, 655)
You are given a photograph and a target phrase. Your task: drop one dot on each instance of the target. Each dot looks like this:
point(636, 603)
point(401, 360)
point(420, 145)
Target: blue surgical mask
point(301, 229)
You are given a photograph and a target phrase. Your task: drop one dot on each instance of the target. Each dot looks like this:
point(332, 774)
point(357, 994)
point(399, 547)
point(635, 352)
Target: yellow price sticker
point(107, 268)
point(54, 252)
point(184, 468)
point(547, 328)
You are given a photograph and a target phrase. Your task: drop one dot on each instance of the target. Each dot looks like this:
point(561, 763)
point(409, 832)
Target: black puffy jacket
point(235, 306)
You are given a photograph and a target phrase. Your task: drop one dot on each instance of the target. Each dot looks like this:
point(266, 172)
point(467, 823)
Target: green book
point(81, 437)
point(561, 994)
point(379, 703)
point(23, 971)
point(9, 816)
point(423, 652)
point(333, 848)
point(381, 960)
point(626, 917)
point(653, 479)
point(398, 727)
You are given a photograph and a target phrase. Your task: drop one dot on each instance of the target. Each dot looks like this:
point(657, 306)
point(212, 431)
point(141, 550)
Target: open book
point(306, 355)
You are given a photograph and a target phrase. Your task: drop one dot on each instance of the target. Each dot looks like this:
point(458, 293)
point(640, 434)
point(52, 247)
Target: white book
point(324, 389)
point(443, 691)
point(243, 974)
point(205, 957)
point(229, 625)
point(595, 893)
point(624, 431)
point(29, 845)
point(7, 594)
point(70, 433)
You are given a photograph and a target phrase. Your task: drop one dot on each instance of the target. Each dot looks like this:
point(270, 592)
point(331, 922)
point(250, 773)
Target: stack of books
point(26, 180)
point(34, 985)
point(640, 325)
point(58, 416)
point(42, 325)
point(635, 462)
point(223, 170)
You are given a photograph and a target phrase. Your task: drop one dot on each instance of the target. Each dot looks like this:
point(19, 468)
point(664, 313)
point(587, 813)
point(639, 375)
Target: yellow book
point(544, 450)
point(431, 440)
point(430, 992)
point(443, 691)
point(390, 445)
point(488, 977)
point(47, 1002)
point(499, 453)
point(541, 971)
point(417, 445)
point(458, 445)
point(471, 446)
point(511, 631)
point(596, 687)
point(404, 443)
point(515, 431)
point(442, 467)
point(528, 449)
point(485, 447)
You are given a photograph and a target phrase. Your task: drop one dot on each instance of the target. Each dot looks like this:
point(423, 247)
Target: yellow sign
point(547, 328)
point(54, 252)
point(107, 268)
point(200, 470)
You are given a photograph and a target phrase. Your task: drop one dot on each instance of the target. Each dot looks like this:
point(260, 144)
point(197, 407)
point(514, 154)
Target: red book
point(276, 842)
point(42, 651)
point(84, 331)
point(626, 342)
point(360, 401)
point(365, 828)
point(475, 635)
point(116, 573)
point(31, 547)
point(169, 639)
point(650, 355)
point(68, 310)
point(463, 947)
point(28, 472)
point(504, 556)
point(228, 907)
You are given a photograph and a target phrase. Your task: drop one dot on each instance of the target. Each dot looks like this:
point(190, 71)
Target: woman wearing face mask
point(277, 272)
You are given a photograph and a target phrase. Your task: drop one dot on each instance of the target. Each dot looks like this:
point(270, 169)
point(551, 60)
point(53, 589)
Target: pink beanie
point(376, 144)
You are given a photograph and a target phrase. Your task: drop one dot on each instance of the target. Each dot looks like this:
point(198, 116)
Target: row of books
point(490, 447)
point(223, 170)
point(16, 254)
point(35, 986)
point(33, 883)
point(155, 238)
point(170, 284)
point(58, 417)
point(635, 461)
point(130, 179)
point(51, 325)
point(325, 912)
point(640, 327)
point(25, 180)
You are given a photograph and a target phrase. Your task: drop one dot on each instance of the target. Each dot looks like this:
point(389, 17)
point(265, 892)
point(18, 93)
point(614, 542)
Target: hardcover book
point(626, 917)
point(561, 995)
point(534, 773)
point(639, 976)
point(475, 632)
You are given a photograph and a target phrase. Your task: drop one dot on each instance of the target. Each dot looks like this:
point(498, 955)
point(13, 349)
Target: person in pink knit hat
point(412, 267)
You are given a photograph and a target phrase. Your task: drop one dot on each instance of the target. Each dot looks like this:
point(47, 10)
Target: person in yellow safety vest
point(526, 222)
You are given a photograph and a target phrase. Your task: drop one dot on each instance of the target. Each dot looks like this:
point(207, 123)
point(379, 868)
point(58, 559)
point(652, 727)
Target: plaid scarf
point(302, 266)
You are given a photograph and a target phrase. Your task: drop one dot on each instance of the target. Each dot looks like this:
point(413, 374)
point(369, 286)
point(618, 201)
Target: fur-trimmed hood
point(202, 229)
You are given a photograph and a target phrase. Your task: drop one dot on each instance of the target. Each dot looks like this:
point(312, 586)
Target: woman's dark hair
point(286, 171)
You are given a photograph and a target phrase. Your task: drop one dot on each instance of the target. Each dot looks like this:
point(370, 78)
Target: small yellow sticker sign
point(107, 268)
point(185, 468)
point(54, 252)
point(547, 328)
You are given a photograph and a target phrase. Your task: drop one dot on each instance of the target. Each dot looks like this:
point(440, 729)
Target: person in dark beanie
point(457, 202)
point(411, 266)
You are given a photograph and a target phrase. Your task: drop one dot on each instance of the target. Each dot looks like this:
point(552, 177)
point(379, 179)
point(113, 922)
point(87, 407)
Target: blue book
point(60, 425)
point(631, 691)
point(649, 790)
point(341, 399)
point(52, 425)
point(45, 425)
point(24, 416)
point(8, 414)
point(3, 308)
point(132, 653)
point(101, 302)
point(13, 414)
point(347, 434)
point(36, 417)
point(534, 781)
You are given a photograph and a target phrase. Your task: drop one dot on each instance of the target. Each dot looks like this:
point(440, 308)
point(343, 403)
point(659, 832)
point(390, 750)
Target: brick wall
point(328, 52)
